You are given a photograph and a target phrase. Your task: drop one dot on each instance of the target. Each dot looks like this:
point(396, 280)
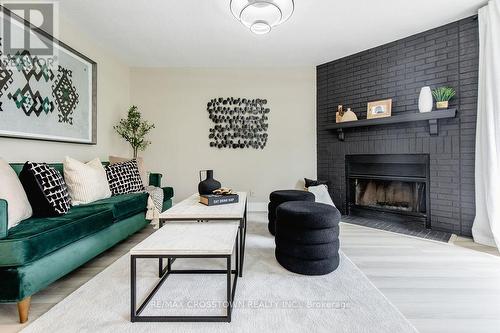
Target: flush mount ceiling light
point(260, 16)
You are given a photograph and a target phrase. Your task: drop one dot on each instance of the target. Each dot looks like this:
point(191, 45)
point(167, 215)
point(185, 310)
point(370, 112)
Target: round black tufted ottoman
point(276, 198)
point(307, 237)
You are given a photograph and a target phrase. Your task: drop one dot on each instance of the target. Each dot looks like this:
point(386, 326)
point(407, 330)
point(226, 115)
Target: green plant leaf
point(134, 130)
point(443, 94)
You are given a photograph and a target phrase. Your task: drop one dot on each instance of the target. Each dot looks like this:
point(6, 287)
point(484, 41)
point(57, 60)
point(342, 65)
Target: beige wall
point(113, 99)
point(175, 100)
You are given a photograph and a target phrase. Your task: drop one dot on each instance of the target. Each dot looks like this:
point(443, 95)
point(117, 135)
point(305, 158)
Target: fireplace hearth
point(388, 186)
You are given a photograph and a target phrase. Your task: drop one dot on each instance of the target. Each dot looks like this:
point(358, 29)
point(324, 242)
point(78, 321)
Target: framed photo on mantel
point(379, 109)
point(48, 91)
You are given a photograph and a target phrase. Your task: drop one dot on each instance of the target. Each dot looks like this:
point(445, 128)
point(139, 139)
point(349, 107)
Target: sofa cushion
point(140, 166)
point(310, 182)
point(12, 191)
point(123, 205)
point(46, 190)
point(321, 194)
point(124, 178)
point(87, 182)
point(36, 237)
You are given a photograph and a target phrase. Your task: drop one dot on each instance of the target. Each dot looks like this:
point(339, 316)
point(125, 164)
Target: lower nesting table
point(187, 240)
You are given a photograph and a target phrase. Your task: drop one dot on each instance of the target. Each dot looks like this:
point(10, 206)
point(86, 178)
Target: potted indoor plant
point(134, 130)
point(442, 95)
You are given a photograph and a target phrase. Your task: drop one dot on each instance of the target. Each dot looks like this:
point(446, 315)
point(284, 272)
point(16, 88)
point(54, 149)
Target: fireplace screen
point(389, 186)
point(391, 195)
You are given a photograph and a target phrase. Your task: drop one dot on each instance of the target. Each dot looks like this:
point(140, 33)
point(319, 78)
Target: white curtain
point(486, 228)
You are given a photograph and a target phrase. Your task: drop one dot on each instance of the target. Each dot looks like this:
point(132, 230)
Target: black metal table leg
point(132, 288)
point(237, 255)
point(241, 233)
point(160, 267)
point(229, 299)
point(243, 237)
point(236, 268)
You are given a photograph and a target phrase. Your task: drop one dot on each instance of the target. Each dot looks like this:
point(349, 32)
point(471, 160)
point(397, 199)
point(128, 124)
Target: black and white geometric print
point(124, 178)
point(53, 186)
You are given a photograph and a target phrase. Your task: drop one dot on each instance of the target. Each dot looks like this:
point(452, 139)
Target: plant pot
point(208, 185)
point(442, 105)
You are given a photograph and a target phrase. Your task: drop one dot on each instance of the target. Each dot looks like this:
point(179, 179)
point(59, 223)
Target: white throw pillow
point(87, 182)
point(12, 191)
point(321, 194)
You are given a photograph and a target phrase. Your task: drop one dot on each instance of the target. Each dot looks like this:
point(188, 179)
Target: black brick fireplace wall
point(447, 55)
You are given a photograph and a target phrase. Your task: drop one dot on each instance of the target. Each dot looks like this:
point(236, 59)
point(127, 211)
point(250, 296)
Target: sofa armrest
point(155, 179)
point(4, 219)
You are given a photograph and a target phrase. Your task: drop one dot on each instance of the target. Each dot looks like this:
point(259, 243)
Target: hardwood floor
point(439, 287)
point(56, 292)
point(468, 243)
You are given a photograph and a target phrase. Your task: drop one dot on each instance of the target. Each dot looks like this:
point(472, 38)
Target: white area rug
point(268, 298)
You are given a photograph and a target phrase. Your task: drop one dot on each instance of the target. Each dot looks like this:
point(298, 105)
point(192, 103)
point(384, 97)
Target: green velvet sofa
point(38, 251)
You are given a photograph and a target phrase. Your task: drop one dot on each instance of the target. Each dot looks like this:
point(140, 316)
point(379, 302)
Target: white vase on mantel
point(425, 102)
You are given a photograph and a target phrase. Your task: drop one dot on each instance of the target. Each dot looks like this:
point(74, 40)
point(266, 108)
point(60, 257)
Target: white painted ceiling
point(203, 33)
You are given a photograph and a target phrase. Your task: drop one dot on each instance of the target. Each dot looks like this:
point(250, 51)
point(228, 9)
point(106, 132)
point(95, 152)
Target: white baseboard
point(257, 207)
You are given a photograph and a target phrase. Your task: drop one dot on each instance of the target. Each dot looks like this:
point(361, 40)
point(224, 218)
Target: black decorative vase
point(208, 185)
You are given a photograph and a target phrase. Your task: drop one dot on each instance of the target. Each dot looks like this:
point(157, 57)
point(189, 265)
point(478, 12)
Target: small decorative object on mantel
point(443, 95)
point(208, 185)
point(343, 116)
point(134, 130)
point(238, 122)
point(379, 109)
point(425, 100)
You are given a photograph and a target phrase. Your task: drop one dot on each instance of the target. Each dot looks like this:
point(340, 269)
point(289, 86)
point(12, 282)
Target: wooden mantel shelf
point(432, 117)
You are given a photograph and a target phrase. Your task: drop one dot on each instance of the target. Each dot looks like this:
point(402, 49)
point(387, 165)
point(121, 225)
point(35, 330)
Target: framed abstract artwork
point(45, 95)
point(379, 109)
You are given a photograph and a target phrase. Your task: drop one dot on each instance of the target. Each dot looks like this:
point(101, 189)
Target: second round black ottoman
point(307, 237)
point(276, 198)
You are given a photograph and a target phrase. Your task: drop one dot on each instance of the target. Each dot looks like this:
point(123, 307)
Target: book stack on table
point(218, 199)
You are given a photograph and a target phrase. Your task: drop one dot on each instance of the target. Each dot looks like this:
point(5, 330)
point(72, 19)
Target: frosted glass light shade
point(260, 11)
point(260, 28)
point(261, 15)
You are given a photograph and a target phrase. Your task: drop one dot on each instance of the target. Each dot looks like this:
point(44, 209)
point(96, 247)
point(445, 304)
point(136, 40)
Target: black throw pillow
point(124, 177)
point(46, 190)
point(310, 182)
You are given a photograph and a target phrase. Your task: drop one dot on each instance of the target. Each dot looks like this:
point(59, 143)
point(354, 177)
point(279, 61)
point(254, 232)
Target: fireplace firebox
point(389, 186)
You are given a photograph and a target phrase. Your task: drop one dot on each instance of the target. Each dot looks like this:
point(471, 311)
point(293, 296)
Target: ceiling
point(203, 33)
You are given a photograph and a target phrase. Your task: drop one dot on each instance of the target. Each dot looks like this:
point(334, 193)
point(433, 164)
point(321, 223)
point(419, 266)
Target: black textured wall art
point(238, 122)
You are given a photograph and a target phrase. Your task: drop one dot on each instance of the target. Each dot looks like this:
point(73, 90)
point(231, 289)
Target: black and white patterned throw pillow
point(310, 182)
point(46, 190)
point(124, 178)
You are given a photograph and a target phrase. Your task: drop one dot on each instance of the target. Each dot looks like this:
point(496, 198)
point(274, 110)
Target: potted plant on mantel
point(443, 95)
point(134, 130)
